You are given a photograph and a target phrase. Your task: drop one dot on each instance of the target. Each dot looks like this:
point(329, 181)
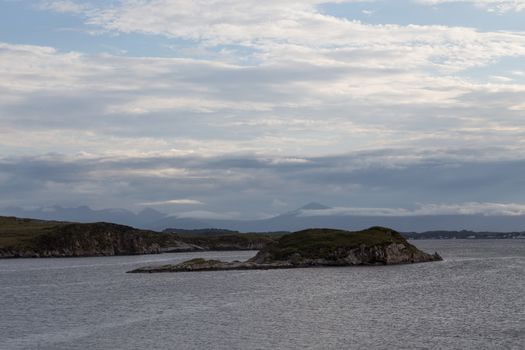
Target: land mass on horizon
point(20, 237)
point(29, 238)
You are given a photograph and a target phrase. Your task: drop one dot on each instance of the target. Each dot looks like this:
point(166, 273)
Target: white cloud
point(106, 104)
point(469, 208)
point(473, 208)
point(500, 6)
point(146, 105)
point(64, 6)
point(288, 161)
point(296, 83)
point(273, 31)
point(354, 211)
point(184, 201)
point(257, 102)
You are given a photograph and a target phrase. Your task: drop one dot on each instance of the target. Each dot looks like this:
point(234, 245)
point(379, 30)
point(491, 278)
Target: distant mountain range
point(308, 216)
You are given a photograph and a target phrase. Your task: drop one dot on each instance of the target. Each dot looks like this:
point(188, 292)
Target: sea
point(474, 299)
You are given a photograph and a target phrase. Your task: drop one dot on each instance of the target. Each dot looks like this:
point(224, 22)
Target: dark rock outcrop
point(318, 247)
point(98, 239)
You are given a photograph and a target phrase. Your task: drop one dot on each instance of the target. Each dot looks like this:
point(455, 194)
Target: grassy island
point(318, 247)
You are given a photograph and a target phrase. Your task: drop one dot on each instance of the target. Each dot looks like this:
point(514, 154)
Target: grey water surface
point(475, 299)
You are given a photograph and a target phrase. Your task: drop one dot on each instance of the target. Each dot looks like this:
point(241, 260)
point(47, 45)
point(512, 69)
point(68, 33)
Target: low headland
point(315, 248)
point(30, 238)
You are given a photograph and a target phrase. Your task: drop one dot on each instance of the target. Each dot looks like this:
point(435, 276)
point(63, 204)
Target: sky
point(246, 109)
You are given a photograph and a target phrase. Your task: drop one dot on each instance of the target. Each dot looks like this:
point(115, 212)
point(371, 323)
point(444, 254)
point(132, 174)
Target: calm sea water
point(475, 299)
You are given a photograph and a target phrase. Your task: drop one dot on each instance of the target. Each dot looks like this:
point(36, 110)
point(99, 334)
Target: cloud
point(469, 208)
point(351, 211)
point(276, 31)
point(250, 184)
point(173, 202)
point(258, 101)
point(111, 105)
point(500, 6)
point(64, 6)
point(473, 208)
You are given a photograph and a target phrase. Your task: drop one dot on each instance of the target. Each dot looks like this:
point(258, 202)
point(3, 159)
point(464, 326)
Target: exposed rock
point(99, 239)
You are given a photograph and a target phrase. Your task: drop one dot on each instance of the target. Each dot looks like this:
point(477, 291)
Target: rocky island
point(317, 247)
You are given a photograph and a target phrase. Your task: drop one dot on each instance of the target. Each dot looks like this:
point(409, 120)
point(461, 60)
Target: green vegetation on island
point(322, 243)
point(38, 238)
point(17, 231)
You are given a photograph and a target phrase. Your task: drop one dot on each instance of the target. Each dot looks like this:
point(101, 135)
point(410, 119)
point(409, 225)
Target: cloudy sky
point(244, 108)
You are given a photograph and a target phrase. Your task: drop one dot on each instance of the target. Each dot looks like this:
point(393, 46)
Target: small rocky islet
point(316, 248)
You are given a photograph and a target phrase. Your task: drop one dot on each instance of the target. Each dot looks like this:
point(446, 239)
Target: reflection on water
point(472, 300)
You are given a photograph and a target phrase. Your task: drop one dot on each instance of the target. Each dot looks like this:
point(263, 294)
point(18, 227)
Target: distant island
point(463, 234)
point(315, 248)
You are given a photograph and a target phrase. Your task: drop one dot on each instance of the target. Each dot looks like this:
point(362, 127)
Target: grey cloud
point(265, 125)
point(253, 183)
point(109, 104)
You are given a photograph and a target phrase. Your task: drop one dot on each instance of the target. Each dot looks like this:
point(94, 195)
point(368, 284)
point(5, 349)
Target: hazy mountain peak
point(150, 211)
